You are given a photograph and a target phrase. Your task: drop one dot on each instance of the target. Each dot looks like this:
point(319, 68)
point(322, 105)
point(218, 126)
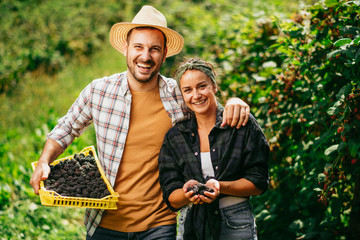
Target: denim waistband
point(246, 205)
point(231, 200)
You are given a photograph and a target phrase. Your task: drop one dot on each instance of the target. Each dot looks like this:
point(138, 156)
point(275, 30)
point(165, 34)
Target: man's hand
point(41, 172)
point(236, 113)
point(51, 151)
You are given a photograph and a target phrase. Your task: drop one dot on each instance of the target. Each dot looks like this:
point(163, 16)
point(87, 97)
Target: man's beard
point(133, 72)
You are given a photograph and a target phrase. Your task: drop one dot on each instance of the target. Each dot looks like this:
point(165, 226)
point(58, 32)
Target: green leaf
point(350, 51)
point(331, 149)
point(334, 53)
point(317, 6)
point(296, 225)
point(258, 78)
point(350, 30)
point(353, 147)
point(334, 109)
point(356, 2)
point(357, 40)
point(342, 42)
point(331, 3)
point(333, 184)
point(344, 91)
point(269, 64)
point(357, 56)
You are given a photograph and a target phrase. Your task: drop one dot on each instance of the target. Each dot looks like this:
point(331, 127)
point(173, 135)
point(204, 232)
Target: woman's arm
point(171, 177)
point(177, 198)
point(239, 188)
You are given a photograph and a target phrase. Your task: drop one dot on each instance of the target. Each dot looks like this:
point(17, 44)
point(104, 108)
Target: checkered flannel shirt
point(106, 102)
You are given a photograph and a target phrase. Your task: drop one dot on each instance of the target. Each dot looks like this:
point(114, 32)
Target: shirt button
point(213, 149)
point(216, 212)
point(192, 134)
point(196, 153)
point(216, 168)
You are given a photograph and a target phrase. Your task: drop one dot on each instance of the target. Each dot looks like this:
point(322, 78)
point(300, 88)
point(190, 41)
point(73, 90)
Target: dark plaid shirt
point(235, 153)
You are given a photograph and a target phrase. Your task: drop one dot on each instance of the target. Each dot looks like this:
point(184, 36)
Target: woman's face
point(198, 91)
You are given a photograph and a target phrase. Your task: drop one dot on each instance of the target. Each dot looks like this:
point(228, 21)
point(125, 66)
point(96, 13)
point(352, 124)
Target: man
point(128, 142)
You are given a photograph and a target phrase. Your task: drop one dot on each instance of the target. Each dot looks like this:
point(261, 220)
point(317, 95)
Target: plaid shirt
point(106, 102)
point(235, 153)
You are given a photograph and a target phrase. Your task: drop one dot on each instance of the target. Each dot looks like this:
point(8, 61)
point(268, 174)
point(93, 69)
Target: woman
point(232, 162)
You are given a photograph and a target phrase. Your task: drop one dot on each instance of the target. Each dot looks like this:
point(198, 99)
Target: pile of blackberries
point(77, 177)
point(200, 188)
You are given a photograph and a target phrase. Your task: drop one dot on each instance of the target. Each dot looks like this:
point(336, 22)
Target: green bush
point(301, 77)
point(209, 26)
point(44, 34)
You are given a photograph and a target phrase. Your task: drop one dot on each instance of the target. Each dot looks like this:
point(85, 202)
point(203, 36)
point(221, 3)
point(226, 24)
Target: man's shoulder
point(168, 79)
point(112, 79)
point(110, 84)
point(170, 82)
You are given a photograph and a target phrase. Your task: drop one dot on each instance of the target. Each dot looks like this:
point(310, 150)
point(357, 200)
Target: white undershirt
point(206, 165)
point(208, 170)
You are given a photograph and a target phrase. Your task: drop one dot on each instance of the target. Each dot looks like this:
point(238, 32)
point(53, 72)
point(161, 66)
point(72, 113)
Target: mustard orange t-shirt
point(141, 205)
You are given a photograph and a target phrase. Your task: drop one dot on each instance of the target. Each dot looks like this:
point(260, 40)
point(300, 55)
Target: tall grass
point(27, 115)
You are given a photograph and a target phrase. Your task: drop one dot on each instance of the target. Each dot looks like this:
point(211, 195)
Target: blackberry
point(200, 188)
point(77, 177)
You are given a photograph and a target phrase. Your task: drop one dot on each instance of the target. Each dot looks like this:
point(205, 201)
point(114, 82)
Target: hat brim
point(119, 32)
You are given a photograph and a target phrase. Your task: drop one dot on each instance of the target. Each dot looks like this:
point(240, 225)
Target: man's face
point(145, 52)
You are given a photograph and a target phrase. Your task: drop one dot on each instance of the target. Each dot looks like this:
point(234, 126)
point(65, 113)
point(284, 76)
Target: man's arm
point(51, 151)
point(72, 125)
point(236, 113)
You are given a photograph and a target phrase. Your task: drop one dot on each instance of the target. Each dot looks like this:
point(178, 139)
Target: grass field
point(27, 115)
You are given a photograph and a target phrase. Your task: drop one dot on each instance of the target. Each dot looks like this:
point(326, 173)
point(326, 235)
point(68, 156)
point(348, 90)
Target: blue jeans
point(238, 222)
point(166, 232)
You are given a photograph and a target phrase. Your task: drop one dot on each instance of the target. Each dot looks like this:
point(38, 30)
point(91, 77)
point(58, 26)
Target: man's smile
point(144, 65)
point(199, 103)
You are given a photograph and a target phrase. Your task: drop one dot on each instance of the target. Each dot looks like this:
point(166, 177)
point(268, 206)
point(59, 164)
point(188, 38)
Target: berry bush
point(301, 77)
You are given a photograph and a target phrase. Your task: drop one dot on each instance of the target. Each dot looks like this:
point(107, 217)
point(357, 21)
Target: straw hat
point(147, 16)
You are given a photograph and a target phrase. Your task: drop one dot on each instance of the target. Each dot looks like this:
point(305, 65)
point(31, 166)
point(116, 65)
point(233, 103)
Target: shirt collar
point(163, 83)
point(191, 124)
point(124, 86)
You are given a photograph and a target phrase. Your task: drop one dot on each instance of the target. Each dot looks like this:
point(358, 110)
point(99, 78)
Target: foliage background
point(296, 64)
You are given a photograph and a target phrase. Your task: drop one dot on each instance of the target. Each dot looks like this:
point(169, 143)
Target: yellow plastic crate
point(51, 198)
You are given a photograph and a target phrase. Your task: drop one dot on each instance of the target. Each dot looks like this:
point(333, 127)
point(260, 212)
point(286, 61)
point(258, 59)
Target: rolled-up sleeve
point(256, 156)
point(170, 173)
